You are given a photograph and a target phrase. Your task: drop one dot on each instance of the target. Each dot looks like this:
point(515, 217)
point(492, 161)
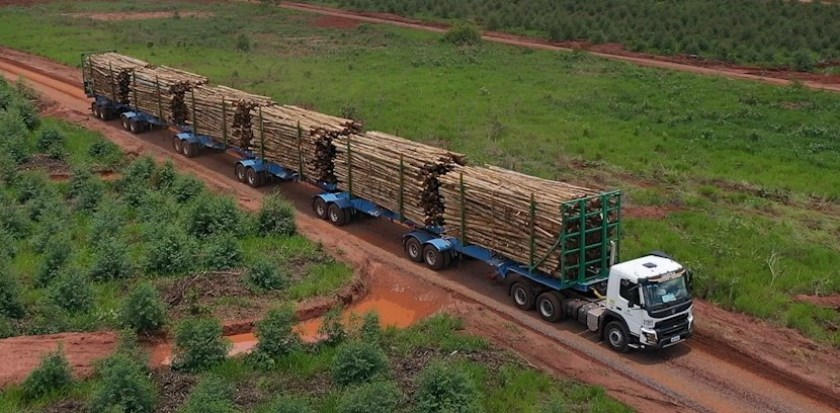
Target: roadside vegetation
point(431, 367)
point(87, 243)
point(736, 179)
point(799, 35)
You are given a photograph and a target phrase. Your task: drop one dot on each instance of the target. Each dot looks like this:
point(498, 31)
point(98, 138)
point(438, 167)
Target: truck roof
point(647, 267)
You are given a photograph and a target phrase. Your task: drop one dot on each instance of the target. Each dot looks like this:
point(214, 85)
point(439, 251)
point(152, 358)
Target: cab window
point(625, 289)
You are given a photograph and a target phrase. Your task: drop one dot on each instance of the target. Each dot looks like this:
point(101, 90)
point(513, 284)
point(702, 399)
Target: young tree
point(53, 374)
point(143, 311)
point(199, 344)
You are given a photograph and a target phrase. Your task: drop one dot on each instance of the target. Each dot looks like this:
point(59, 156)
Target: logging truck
point(570, 270)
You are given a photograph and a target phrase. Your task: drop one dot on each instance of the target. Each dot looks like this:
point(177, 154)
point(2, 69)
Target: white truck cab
point(648, 305)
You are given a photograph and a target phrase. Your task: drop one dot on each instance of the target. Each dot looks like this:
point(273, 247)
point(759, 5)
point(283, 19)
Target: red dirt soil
point(336, 22)
point(733, 364)
point(20, 355)
point(830, 301)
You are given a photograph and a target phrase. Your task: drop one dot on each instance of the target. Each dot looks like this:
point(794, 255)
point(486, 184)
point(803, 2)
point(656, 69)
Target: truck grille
point(669, 327)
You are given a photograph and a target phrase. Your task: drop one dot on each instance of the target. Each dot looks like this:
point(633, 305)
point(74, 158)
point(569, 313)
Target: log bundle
point(162, 91)
point(395, 173)
point(496, 208)
point(225, 114)
point(303, 140)
point(111, 74)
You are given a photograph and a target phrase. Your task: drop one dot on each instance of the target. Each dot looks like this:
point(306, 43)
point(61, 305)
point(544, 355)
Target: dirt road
point(734, 364)
point(684, 64)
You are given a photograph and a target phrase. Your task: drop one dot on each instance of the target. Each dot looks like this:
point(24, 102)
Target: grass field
point(499, 382)
point(741, 177)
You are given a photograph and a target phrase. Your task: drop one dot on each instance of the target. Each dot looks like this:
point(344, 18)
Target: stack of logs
point(497, 214)
point(111, 74)
point(303, 140)
point(395, 173)
point(225, 114)
point(161, 91)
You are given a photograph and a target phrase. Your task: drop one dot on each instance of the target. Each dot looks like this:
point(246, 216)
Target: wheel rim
point(133, 127)
point(431, 259)
point(616, 337)
point(252, 177)
point(334, 215)
point(520, 296)
point(546, 308)
point(319, 209)
point(125, 123)
point(240, 173)
point(413, 250)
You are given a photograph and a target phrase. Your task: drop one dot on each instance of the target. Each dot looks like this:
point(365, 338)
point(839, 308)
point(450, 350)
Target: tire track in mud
point(670, 381)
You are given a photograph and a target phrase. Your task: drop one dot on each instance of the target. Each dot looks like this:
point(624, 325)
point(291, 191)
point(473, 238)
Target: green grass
point(740, 163)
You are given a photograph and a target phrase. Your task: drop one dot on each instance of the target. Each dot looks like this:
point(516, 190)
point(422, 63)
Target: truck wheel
point(125, 123)
point(617, 336)
point(433, 257)
point(337, 215)
point(320, 207)
point(133, 126)
point(240, 172)
point(414, 249)
point(190, 150)
point(252, 177)
point(550, 307)
point(94, 109)
point(178, 144)
point(523, 296)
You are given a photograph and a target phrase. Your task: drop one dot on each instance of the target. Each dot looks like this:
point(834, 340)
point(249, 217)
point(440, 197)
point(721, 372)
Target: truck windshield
point(665, 293)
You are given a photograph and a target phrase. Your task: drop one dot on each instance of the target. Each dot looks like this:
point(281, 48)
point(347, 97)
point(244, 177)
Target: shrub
point(102, 149)
point(265, 276)
point(276, 216)
point(89, 194)
point(199, 344)
point(211, 395)
point(10, 302)
point(48, 138)
point(72, 292)
point(111, 261)
point(13, 220)
point(138, 172)
point(445, 389)
point(8, 248)
point(243, 43)
point(332, 331)
point(13, 133)
point(79, 177)
point(6, 328)
point(803, 60)
point(379, 397)
point(462, 35)
point(358, 362)
point(56, 254)
point(53, 374)
point(109, 217)
point(143, 311)
point(186, 187)
point(213, 215)
point(124, 386)
point(289, 405)
point(276, 335)
point(371, 328)
point(170, 251)
point(224, 253)
point(8, 168)
point(165, 176)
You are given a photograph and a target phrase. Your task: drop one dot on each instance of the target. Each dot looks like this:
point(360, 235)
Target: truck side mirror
point(689, 281)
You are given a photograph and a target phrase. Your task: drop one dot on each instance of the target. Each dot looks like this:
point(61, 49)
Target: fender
point(188, 137)
point(421, 236)
point(338, 199)
point(608, 316)
point(441, 244)
point(131, 115)
point(256, 164)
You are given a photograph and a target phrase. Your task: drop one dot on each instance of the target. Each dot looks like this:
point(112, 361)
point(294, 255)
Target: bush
point(6, 328)
point(49, 138)
point(445, 389)
point(211, 395)
point(462, 35)
point(90, 194)
point(164, 177)
point(143, 311)
point(224, 253)
point(13, 220)
point(265, 276)
point(276, 217)
point(358, 362)
point(371, 328)
point(186, 187)
point(11, 304)
point(53, 374)
point(332, 331)
point(72, 292)
point(199, 344)
point(109, 217)
point(213, 215)
point(111, 261)
point(8, 168)
point(56, 255)
point(124, 386)
point(243, 43)
point(170, 251)
point(8, 249)
point(379, 397)
point(102, 149)
point(288, 405)
point(13, 133)
point(276, 335)
point(138, 172)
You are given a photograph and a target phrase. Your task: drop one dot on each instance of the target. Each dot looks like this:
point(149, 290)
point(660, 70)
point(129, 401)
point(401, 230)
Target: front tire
point(523, 296)
point(617, 336)
point(434, 257)
point(414, 249)
point(337, 215)
point(320, 207)
point(550, 307)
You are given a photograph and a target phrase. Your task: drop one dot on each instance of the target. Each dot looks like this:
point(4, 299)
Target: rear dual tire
point(337, 215)
point(320, 207)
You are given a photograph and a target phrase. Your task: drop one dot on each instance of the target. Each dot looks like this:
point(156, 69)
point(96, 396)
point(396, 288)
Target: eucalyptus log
point(111, 74)
point(161, 91)
point(396, 173)
point(225, 114)
point(492, 207)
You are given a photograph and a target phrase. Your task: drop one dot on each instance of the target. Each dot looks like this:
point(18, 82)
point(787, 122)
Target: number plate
point(675, 339)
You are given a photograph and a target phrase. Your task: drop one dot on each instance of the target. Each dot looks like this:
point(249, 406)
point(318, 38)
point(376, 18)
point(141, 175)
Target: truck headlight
point(650, 336)
point(690, 321)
